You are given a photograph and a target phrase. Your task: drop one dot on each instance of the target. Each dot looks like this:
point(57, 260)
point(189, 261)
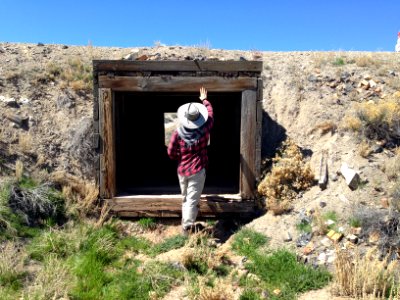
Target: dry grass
point(320, 222)
point(290, 174)
point(77, 191)
point(366, 276)
point(221, 290)
point(25, 142)
point(376, 121)
point(392, 166)
point(19, 170)
point(365, 60)
point(11, 261)
point(53, 281)
point(364, 149)
point(325, 127)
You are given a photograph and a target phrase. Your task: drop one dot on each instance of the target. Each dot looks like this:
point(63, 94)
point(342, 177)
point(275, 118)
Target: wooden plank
point(107, 158)
point(177, 66)
point(323, 171)
point(259, 128)
point(176, 84)
point(173, 205)
point(248, 144)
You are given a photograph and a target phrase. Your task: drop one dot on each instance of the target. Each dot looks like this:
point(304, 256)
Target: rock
point(385, 202)
point(392, 73)
point(303, 239)
point(367, 77)
point(142, 57)
point(309, 248)
point(313, 78)
point(352, 238)
point(276, 292)
point(348, 88)
point(355, 230)
point(351, 176)
point(329, 222)
point(326, 242)
point(322, 204)
point(9, 102)
point(65, 101)
point(288, 237)
point(133, 55)
point(322, 258)
point(242, 58)
point(24, 101)
point(22, 122)
point(374, 237)
point(345, 76)
point(372, 84)
point(40, 44)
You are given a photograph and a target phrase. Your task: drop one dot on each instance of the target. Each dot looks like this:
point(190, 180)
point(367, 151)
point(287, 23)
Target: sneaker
point(185, 232)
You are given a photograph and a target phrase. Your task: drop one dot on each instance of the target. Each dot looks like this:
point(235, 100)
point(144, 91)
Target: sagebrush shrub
point(289, 175)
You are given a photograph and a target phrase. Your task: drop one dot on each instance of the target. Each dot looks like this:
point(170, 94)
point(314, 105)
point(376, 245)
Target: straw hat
point(192, 115)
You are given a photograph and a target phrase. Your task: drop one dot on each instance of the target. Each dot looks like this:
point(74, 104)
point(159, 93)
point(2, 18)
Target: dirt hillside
point(46, 122)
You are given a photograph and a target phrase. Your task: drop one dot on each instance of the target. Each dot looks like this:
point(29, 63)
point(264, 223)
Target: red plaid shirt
point(192, 159)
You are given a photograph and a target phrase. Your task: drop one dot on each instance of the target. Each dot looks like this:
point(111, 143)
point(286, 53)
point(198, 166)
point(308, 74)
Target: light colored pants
point(191, 189)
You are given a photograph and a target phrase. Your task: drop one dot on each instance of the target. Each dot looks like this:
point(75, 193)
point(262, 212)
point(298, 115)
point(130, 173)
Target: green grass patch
point(276, 270)
point(280, 270)
point(339, 61)
point(147, 223)
point(135, 244)
point(247, 241)
point(155, 280)
point(250, 294)
point(355, 222)
point(168, 244)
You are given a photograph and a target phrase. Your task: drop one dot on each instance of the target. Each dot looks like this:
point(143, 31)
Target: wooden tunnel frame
point(112, 76)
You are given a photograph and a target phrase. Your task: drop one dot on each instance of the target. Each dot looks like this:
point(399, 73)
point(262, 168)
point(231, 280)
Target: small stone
point(24, 100)
point(372, 84)
point(326, 242)
point(322, 258)
point(367, 77)
point(277, 292)
point(40, 44)
point(288, 237)
point(64, 47)
point(322, 204)
point(330, 258)
point(351, 176)
point(374, 236)
point(9, 102)
point(329, 222)
point(385, 202)
point(392, 73)
point(313, 78)
point(142, 57)
point(309, 248)
point(352, 238)
point(355, 230)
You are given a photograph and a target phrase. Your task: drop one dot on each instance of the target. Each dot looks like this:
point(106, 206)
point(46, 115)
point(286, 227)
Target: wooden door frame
point(128, 76)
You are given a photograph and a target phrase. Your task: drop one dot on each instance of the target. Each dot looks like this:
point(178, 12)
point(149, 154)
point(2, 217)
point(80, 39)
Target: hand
point(203, 94)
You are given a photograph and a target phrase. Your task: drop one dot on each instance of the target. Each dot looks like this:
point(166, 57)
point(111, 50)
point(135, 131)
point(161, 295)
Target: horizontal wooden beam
point(177, 84)
point(170, 205)
point(177, 66)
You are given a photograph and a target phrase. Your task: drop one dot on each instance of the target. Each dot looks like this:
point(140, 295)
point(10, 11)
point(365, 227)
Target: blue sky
point(279, 25)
